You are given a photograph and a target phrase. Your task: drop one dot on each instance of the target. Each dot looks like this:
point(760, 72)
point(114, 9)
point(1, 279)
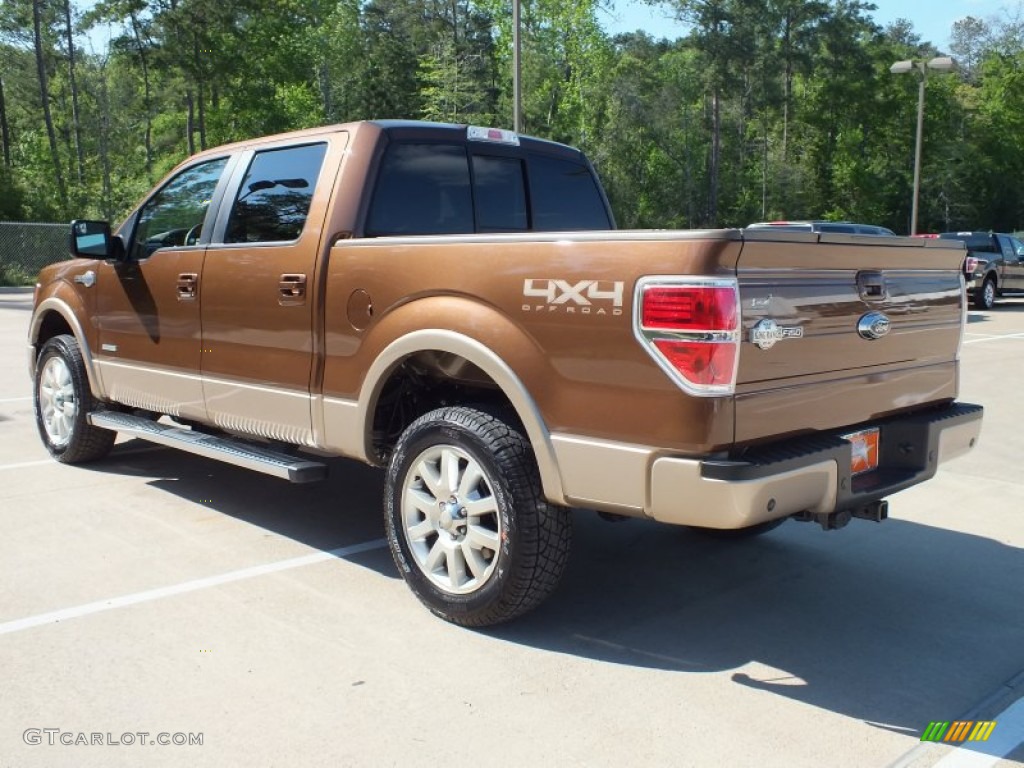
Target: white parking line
point(118, 454)
point(996, 338)
point(1007, 736)
point(14, 399)
point(24, 464)
point(189, 586)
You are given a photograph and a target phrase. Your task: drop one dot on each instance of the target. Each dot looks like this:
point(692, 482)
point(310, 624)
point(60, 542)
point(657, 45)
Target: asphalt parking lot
point(164, 594)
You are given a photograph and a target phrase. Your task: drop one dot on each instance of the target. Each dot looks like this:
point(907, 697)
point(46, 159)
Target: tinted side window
point(500, 194)
point(422, 189)
point(564, 196)
point(173, 217)
point(273, 201)
point(1006, 246)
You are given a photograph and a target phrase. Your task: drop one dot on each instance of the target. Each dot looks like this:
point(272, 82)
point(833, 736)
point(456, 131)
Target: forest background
point(764, 109)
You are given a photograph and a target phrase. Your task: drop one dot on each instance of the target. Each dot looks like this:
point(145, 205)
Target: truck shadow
point(895, 624)
point(1005, 305)
point(343, 510)
point(1009, 303)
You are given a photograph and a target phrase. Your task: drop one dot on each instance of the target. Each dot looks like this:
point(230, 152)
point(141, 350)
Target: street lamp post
point(517, 69)
point(920, 67)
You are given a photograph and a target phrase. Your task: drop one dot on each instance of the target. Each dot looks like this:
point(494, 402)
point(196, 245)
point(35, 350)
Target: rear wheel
point(62, 402)
point(985, 297)
point(467, 523)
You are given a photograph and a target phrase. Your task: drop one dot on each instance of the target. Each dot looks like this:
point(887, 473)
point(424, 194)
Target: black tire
point(985, 297)
point(82, 441)
point(532, 536)
point(737, 534)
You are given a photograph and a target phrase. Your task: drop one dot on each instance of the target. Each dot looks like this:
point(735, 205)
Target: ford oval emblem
point(873, 325)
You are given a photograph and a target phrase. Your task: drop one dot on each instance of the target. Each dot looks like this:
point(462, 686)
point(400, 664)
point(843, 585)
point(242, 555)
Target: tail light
point(690, 326)
point(970, 265)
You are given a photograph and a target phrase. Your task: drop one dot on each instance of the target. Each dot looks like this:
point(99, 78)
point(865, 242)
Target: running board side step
point(227, 449)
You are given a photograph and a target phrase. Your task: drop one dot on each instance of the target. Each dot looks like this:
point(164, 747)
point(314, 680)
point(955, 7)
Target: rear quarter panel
point(585, 370)
point(522, 296)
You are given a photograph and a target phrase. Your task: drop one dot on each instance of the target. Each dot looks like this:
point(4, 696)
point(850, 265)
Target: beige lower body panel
point(600, 474)
point(251, 409)
point(342, 428)
point(679, 495)
point(160, 390)
point(638, 481)
point(269, 412)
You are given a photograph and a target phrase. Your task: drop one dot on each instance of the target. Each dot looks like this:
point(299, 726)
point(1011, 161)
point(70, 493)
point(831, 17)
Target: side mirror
point(93, 240)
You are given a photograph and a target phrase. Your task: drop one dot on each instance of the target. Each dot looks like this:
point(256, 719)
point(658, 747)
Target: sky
point(932, 19)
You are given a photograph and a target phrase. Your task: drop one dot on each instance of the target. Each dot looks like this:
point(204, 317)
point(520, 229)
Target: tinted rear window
point(500, 194)
point(564, 196)
point(426, 189)
point(422, 189)
point(975, 242)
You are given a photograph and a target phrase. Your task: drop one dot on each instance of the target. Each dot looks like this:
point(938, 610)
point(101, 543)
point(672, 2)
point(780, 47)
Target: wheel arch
point(53, 317)
point(499, 372)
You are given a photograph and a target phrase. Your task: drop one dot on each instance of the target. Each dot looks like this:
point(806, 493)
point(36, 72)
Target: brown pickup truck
point(453, 304)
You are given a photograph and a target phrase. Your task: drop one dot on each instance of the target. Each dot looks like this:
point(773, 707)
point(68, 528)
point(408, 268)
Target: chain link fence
point(25, 248)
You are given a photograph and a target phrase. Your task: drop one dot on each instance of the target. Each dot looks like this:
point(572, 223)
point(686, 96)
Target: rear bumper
point(809, 474)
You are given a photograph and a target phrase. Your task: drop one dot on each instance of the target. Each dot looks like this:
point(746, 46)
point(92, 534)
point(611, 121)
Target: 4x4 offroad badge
point(767, 332)
point(586, 297)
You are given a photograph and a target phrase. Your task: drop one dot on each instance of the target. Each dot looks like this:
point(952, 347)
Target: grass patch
point(15, 274)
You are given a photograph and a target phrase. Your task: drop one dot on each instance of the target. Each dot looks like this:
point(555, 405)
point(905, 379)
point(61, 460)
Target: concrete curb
point(996, 701)
point(16, 289)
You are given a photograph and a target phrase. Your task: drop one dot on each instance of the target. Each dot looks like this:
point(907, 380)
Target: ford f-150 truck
point(994, 265)
point(451, 303)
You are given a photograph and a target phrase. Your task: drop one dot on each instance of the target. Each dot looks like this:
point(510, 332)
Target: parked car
point(994, 265)
point(830, 227)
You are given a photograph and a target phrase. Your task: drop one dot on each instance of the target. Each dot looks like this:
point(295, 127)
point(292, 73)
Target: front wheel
point(62, 404)
point(468, 526)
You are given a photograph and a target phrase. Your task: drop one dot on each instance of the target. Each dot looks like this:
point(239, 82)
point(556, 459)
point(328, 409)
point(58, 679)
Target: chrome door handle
point(292, 289)
point(88, 279)
point(187, 284)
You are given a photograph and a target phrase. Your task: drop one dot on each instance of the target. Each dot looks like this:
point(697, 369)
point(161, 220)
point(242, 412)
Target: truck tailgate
point(873, 332)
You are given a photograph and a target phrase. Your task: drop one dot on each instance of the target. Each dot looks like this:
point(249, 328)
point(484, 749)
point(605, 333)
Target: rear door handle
point(292, 289)
point(187, 284)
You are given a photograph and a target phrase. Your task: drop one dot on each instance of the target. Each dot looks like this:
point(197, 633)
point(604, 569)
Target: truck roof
point(407, 129)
